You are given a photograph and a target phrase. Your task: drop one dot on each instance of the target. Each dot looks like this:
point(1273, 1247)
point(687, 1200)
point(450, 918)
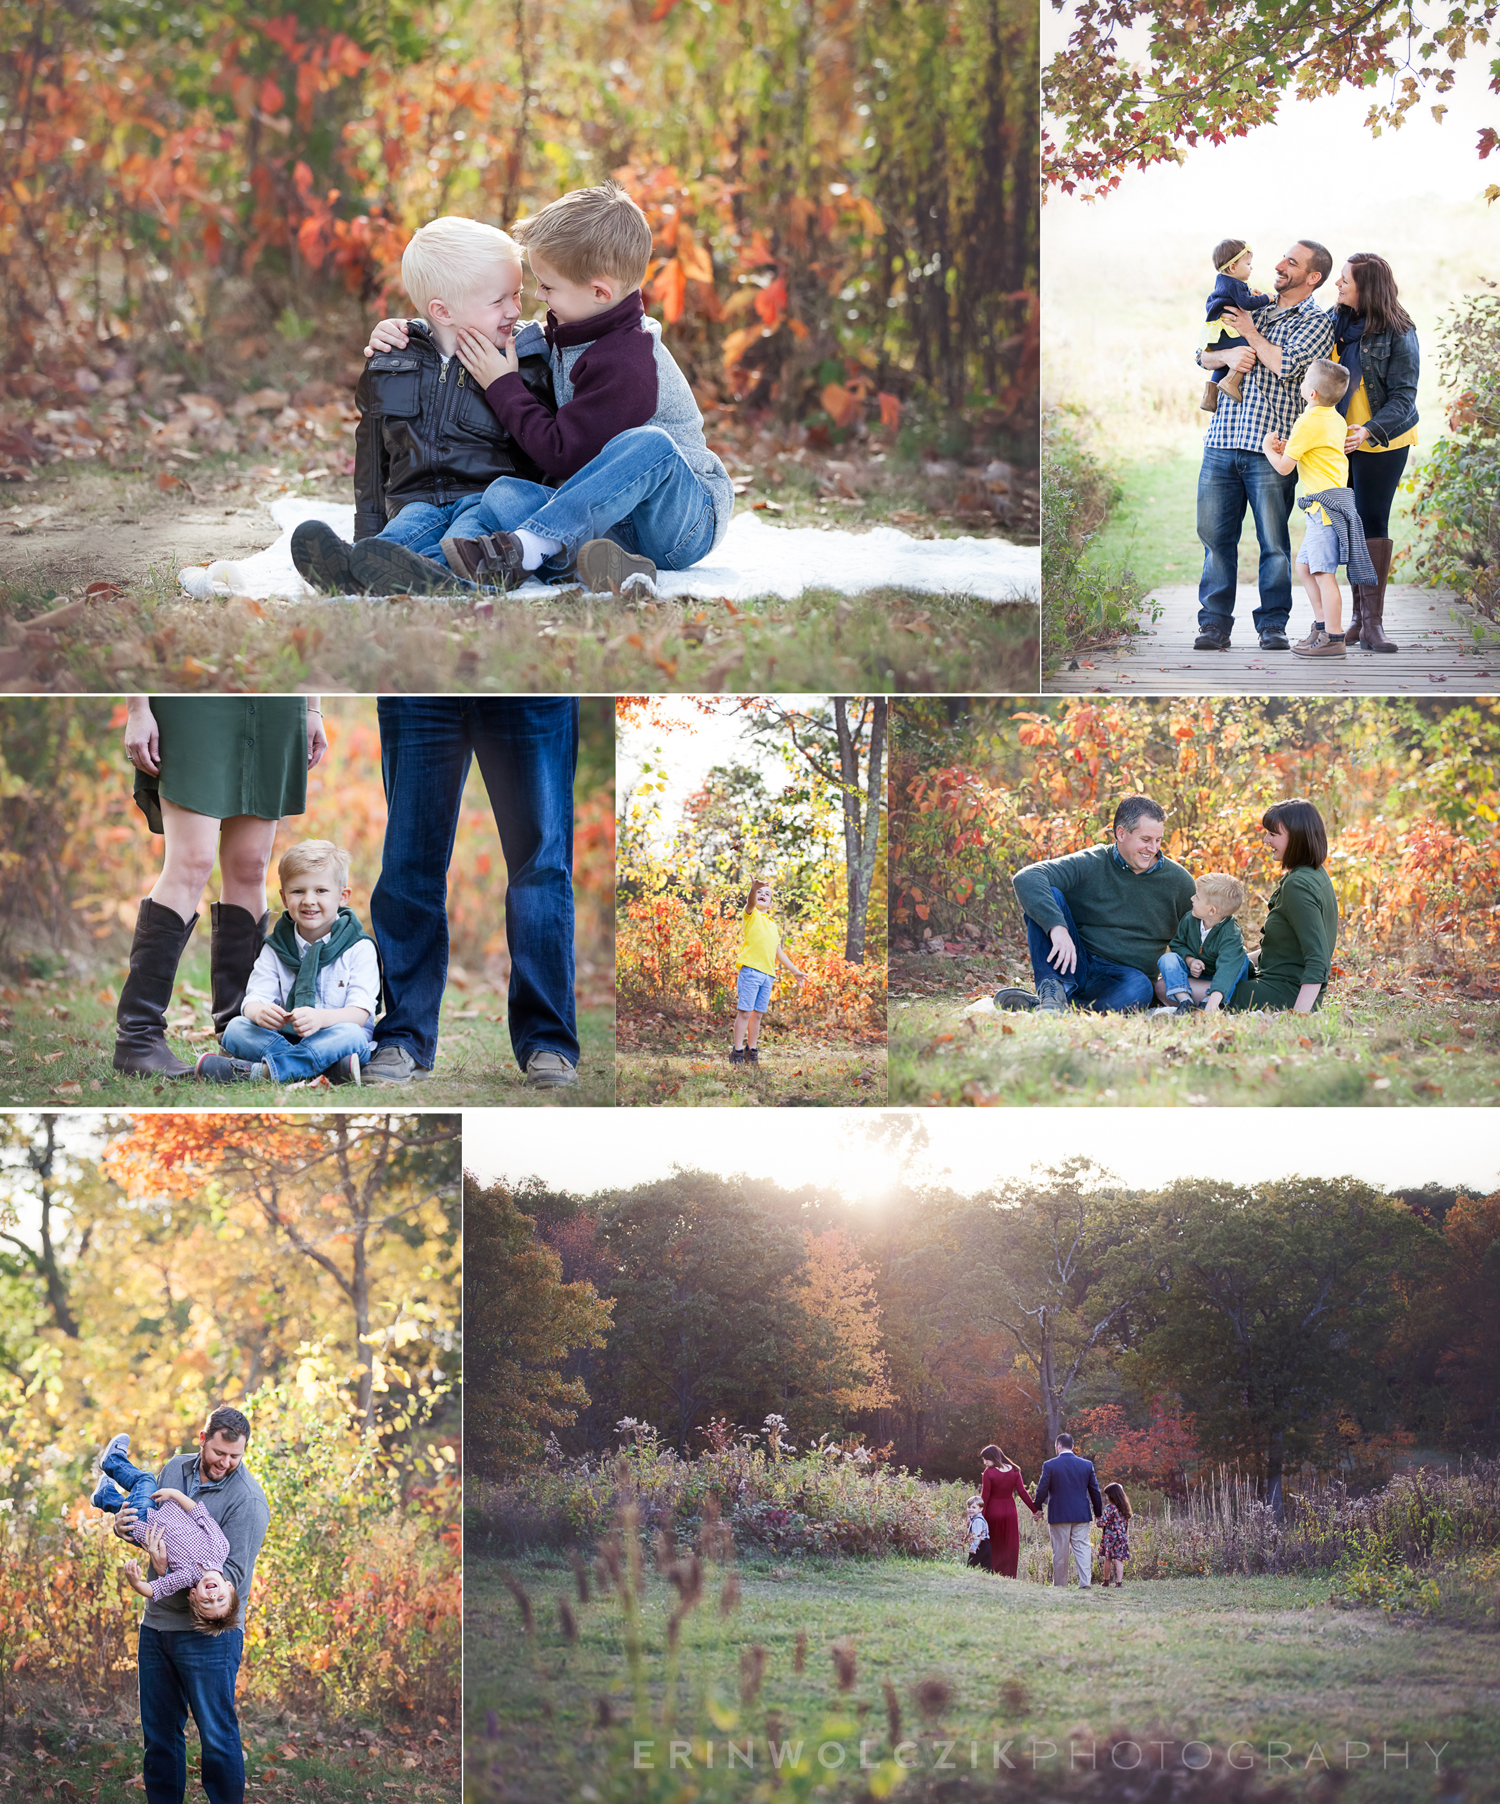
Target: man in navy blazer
point(1070, 1491)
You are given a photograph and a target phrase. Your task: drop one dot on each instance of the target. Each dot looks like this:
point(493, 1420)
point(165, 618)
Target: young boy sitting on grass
point(427, 445)
point(194, 1545)
point(636, 488)
point(1206, 958)
point(315, 987)
point(1334, 534)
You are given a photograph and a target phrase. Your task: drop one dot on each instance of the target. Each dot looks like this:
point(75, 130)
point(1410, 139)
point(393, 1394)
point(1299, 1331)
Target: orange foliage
point(107, 860)
point(1160, 1454)
point(1407, 868)
point(669, 951)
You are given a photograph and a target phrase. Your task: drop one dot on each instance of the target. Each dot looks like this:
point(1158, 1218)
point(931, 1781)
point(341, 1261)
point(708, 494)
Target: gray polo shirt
point(239, 1506)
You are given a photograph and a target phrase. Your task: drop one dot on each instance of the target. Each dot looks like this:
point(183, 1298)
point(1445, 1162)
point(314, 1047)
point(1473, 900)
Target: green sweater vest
point(1125, 916)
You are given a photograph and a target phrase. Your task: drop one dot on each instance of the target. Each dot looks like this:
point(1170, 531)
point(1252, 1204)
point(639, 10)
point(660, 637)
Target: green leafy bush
point(1082, 599)
point(1458, 486)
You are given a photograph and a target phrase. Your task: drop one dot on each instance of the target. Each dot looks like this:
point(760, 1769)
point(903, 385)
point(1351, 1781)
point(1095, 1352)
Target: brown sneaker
point(1317, 633)
point(604, 566)
point(1210, 401)
point(1329, 646)
point(494, 559)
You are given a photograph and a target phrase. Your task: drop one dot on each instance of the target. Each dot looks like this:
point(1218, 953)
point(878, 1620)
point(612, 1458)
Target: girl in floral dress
point(1115, 1545)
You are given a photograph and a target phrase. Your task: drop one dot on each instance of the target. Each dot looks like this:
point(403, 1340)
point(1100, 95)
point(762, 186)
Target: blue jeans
point(1227, 481)
point(638, 491)
point(1105, 986)
point(1178, 981)
point(182, 1670)
point(135, 1486)
point(421, 526)
point(528, 752)
point(290, 1059)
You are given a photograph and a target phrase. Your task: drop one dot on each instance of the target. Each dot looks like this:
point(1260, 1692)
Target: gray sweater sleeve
point(245, 1519)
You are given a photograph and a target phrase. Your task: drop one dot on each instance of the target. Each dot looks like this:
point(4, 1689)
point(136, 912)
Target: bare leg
point(1314, 593)
point(245, 843)
point(1333, 603)
point(741, 1022)
point(191, 845)
point(753, 1031)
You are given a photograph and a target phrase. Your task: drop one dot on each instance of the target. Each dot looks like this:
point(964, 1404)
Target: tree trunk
point(861, 837)
point(44, 1263)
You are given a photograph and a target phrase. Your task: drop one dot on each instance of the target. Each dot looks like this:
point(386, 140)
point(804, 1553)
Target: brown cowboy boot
point(1210, 401)
point(237, 938)
point(1372, 629)
point(1356, 614)
point(141, 1017)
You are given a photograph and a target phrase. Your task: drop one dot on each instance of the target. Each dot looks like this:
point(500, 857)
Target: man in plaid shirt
point(1281, 341)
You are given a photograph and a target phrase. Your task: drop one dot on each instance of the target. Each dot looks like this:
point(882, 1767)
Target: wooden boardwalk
point(1438, 655)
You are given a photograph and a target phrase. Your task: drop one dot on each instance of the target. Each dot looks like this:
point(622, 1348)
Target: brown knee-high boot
point(1371, 628)
point(141, 1017)
point(234, 946)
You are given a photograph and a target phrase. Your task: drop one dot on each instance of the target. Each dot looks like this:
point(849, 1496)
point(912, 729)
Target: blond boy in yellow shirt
point(760, 953)
point(1315, 451)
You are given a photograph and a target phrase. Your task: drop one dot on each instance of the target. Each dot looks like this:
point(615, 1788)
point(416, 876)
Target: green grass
point(888, 640)
point(57, 1039)
point(151, 637)
point(1153, 526)
point(1210, 1659)
point(69, 1756)
point(788, 1077)
point(1362, 1050)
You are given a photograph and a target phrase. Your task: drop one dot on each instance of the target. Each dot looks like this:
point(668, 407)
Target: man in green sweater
point(1098, 920)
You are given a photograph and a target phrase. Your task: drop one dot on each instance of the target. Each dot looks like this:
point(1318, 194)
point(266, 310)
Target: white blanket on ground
point(754, 558)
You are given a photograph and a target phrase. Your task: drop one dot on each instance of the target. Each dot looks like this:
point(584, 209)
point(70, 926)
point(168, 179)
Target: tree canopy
point(1211, 73)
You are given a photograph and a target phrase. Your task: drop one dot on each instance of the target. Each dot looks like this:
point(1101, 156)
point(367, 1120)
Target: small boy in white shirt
point(316, 985)
point(979, 1535)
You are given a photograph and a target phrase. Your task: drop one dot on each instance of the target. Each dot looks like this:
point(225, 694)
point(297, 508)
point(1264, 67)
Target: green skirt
point(223, 755)
point(1256, 991)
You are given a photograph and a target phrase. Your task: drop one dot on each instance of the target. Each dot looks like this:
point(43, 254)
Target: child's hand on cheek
point(483, 362)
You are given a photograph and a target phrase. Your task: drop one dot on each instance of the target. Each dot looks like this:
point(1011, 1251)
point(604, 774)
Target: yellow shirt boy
point(1316, 446)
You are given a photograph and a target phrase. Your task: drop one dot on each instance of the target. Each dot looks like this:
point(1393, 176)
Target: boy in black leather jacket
point(428, 444)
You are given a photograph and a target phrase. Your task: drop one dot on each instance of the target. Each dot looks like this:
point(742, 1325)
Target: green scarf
point(347, 932)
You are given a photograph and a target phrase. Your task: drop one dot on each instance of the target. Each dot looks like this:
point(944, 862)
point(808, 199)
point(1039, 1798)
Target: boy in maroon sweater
point(632, 486)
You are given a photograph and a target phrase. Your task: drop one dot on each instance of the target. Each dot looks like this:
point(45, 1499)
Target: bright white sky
point(691, 752)
point(1315, 169)
point(589, 1150)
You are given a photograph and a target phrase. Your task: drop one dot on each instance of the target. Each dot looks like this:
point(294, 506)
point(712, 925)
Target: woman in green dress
point(213, 775)
point(1295, 958)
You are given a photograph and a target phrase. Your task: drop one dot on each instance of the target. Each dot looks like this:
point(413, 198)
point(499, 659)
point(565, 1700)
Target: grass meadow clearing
point(789, 1076)
point(139, 631)
point(1362, 1049)
point(969, 1658)
point(286, 1758)
point(57, 1039)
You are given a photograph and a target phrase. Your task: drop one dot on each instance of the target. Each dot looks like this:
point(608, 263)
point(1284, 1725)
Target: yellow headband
point(1223, 267)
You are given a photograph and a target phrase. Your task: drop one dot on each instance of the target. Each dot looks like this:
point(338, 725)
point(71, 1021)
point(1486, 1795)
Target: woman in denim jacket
point(1376, 342)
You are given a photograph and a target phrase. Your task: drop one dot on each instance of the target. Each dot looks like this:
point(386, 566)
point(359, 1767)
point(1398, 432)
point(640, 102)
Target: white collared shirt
point(351, 981)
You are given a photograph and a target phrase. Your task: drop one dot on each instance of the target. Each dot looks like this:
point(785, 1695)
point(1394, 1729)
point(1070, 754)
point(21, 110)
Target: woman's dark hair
point(1307, 837)
point(1116, 1494)
point(1376, 282)
point(993, 1454)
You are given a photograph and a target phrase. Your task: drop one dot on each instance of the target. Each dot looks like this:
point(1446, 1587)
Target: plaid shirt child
point(193, 1540)
point(1272, 402)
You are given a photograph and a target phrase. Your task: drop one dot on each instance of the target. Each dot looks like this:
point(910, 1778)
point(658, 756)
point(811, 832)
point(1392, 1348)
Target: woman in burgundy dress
point(998, 1490)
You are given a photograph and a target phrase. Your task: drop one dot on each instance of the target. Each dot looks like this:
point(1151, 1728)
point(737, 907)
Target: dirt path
point(81, 523)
